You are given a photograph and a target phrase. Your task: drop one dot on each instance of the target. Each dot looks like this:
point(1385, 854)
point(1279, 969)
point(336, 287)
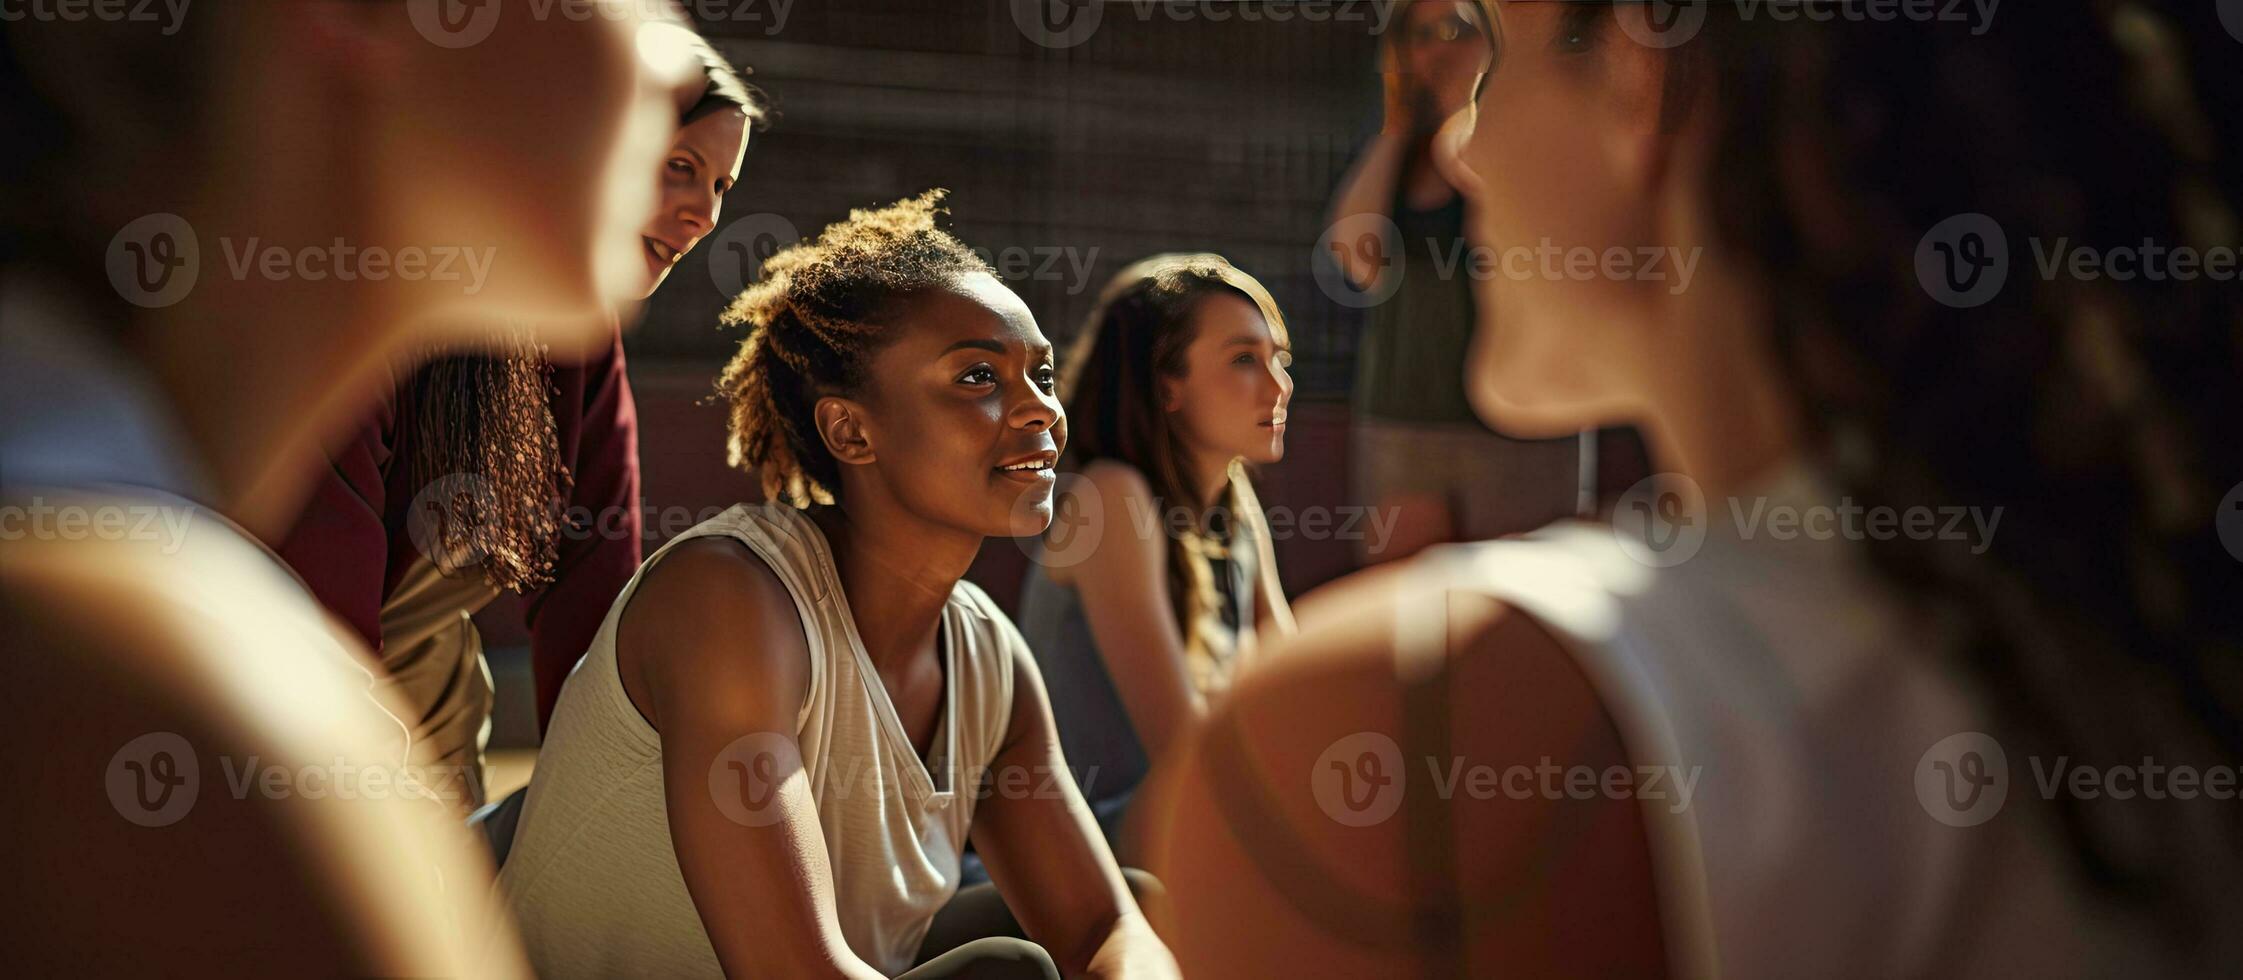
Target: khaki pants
point(434, 659)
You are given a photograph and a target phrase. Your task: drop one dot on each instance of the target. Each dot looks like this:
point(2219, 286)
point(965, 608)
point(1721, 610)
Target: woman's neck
point(1210, 475)
point(1722, 413)
point(896, 570)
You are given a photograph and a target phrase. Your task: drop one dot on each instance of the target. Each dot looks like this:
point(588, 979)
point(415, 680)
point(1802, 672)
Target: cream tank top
point(1781, 677)
point(592, 877)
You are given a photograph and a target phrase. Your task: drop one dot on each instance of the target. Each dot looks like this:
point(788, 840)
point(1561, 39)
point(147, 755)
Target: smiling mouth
point(1274, 423)
point(1036, 465)
point(661, 252)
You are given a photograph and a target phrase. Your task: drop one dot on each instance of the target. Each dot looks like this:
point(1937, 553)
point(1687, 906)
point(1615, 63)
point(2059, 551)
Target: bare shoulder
point(711, 620)
point(1117, 479)
point(1095, 524)
point(1313, 749)
point(117, 676)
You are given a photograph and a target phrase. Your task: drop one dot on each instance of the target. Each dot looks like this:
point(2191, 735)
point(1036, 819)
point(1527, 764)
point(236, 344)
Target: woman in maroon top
point(497, 471)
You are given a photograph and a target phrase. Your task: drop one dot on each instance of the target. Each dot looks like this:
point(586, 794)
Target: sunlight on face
point(1233, 397)
point(959, 398)
point(703, 163)
point(1544, 176)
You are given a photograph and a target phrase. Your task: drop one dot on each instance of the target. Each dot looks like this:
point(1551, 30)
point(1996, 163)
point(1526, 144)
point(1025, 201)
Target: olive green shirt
point(1410, 364)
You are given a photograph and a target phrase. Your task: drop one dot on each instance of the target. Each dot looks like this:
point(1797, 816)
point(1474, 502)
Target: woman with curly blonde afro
point(798, 713)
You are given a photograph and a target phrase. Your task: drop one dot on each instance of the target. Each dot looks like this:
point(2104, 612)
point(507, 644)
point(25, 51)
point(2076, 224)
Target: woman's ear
point(841, 426)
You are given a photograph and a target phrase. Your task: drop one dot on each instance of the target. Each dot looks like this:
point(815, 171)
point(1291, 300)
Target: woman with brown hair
point(1781, 741)
point(1158, 575)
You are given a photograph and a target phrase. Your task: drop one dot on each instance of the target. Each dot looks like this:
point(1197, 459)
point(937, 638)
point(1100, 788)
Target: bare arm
point(1366, 194)
point(713, 649)
point(116, 668)
point(1046, 855)
point(1122, 578)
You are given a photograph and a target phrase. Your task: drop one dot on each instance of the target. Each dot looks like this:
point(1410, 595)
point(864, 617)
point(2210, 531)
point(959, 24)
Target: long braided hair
point(820, 310)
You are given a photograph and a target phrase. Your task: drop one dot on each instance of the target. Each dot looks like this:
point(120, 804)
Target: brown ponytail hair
point(1134, 339)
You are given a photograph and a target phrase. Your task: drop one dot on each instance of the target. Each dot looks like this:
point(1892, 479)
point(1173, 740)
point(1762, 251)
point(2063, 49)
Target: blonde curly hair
point(821, 308)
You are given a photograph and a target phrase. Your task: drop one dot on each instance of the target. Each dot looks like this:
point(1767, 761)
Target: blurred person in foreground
point(210, 784)
point(1783, 754)
point(506, 471)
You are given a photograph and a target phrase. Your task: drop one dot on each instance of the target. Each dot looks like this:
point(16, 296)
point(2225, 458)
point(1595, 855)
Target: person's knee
point(1000, 958)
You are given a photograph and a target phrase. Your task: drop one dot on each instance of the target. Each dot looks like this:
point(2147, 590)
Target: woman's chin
point(655, 276)
point(1026, 515)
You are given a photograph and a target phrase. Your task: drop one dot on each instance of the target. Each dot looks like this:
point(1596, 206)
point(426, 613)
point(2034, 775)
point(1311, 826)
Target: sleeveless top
point(593, 877)
point(1783, 675)
point(1412, 342)
point(1095, 733)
